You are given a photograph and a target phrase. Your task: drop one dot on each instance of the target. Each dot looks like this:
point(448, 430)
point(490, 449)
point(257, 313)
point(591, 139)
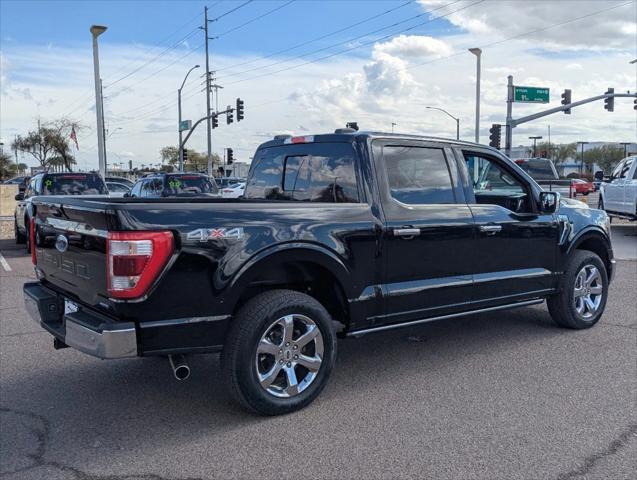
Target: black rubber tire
point(561, 305)
point(19, 237)
point(26, 235)
point(250, 322)
point(600, 203)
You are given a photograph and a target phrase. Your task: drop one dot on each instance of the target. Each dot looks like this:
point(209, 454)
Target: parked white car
point(116, 189)
point(233, 191)
point(618, 193)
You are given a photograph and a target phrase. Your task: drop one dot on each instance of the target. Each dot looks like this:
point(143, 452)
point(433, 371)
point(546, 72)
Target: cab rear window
point(73, 184)
point(312, 172)
point(184, 184)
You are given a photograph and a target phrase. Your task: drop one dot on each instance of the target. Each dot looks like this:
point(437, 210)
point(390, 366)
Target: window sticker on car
point(205, 234)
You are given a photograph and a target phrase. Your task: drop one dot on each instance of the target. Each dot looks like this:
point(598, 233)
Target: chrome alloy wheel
point(289, 355)
point(588, 291)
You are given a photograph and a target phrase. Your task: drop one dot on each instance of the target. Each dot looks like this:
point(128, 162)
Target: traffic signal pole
point(511, 122)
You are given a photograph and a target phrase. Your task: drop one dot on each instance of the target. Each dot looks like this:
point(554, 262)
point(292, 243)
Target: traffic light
point(566, 99)
point(635, 102)
point(229, 115)
point(239, 110)
point(215, 121)
point(609, 102)
point(185, 155)
point(495, 134)
point(230, 157)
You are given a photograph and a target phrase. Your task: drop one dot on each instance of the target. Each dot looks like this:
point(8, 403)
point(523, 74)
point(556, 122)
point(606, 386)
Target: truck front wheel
point(583, 292)
point(279, 352)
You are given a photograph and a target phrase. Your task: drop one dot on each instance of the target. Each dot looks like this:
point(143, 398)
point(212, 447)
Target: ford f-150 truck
point(337, 235)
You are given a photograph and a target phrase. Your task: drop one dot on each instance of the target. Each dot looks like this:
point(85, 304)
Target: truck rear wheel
point(583, 292)
point(19, 237)
point(279, 352)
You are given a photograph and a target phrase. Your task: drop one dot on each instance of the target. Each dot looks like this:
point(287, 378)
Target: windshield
point(193, 184)
point(538, 169)
point(73, 184)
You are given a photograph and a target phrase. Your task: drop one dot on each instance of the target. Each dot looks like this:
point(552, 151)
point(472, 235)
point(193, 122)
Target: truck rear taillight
point(134, 260)
point(34, 258)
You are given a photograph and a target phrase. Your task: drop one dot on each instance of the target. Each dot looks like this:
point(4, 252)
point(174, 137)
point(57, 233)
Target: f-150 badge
point(205, 234)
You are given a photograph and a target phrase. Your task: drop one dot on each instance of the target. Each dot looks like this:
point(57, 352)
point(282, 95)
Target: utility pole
point(581, 167)
point(208, 82)
point(535, 139)
point(548, 154)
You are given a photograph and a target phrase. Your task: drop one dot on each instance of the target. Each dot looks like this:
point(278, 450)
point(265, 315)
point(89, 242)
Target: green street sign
point(185, 125)
point(530, 94)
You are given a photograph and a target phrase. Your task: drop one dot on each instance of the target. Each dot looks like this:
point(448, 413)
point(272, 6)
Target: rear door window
point(73, 184)
point(313, 172)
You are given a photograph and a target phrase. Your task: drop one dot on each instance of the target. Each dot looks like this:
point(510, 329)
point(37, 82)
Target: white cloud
point(610, 30)
point(414, 46)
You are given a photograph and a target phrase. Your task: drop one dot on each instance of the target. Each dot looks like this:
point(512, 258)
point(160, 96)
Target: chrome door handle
point(406, 232)
point(490, 229)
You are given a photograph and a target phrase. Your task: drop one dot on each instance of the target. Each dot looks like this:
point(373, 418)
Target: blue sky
point(377, 78)
point(64, 23)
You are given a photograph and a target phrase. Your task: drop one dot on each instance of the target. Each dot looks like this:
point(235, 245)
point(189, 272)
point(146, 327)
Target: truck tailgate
point(70, 248)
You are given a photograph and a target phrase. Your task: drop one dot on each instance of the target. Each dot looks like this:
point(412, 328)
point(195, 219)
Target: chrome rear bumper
point(83, 330)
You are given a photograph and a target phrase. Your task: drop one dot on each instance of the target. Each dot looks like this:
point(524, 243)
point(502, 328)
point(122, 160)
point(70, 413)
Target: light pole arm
point(455, 118)
point(186, 77)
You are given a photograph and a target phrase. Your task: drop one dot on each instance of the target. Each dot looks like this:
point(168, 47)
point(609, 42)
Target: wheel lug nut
point(287, 344)
point(289, 364)
point(295, 347)
point(281, 361)
point(296, 357)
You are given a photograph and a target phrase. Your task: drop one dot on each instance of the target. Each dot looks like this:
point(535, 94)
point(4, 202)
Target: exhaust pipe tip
point(180, 367)
point(182, 372)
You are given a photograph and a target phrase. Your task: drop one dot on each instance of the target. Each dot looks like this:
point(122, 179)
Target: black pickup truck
point(337, 235)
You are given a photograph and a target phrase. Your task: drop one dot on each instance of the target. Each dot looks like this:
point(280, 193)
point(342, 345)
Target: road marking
point(5, 264)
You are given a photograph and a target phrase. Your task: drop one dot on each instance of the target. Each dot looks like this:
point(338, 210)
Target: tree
point(605, 156)
point(558, 153)
point(49, 140)
point(7, 167)
point(195, 162)
point(22, 168)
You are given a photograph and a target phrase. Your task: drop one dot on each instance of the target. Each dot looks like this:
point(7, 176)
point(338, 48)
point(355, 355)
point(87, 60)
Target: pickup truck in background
point(543, 171)
point(618, 193)
point(337, 235)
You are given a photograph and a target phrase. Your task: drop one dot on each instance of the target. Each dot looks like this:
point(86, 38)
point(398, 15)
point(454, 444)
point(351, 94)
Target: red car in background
point(583, 187)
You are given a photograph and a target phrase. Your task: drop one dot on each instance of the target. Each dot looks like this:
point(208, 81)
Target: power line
point(155, 58)
point(231, 11)
point(322, 37)
point(255, 19)
point(361, 45)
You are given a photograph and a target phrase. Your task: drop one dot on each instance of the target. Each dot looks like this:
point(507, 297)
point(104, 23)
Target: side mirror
point(549, 201)
point(19, 197)
point(599, 175)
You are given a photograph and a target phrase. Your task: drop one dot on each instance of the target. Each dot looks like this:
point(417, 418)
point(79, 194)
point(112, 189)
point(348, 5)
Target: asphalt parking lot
point(493, 396)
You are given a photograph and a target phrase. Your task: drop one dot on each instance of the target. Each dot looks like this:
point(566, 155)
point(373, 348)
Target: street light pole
point(96, 31)
point(478, 53)
point(455, 118)
point(535, 139)
point(581, 168)
point(393, 124)
point(180, 146)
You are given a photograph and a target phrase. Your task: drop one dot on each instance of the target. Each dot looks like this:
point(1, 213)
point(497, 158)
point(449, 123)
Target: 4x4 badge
point(204, 234)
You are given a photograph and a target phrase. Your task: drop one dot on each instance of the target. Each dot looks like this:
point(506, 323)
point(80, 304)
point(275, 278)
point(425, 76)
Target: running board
point(360, 333)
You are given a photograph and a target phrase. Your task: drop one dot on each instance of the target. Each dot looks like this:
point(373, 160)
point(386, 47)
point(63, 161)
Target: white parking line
point(5, 264)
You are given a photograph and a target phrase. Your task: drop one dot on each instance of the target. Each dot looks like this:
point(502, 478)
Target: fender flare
point(293, 252)
point(585, 234)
